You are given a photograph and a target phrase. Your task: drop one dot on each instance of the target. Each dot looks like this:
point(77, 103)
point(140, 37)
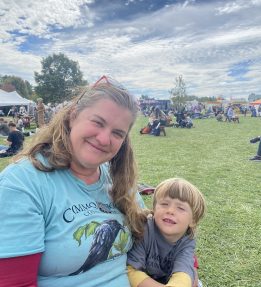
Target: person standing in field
point(40, 112)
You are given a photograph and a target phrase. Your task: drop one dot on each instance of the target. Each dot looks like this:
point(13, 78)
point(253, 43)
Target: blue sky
point(144, 44)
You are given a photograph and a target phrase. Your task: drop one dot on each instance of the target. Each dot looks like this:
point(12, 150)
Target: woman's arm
point(19, 271)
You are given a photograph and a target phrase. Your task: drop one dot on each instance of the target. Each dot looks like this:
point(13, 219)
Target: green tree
point(178, 93)
point(144, 97)
point(253, 97)
point(58, 79)
point(207, 99)
point(13, 83)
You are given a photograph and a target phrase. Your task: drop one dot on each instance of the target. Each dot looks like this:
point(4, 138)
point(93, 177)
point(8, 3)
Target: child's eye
point(181, 208)
point(164, 203)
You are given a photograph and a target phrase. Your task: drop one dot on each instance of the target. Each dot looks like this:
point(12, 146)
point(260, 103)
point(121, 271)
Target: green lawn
point(214, 157)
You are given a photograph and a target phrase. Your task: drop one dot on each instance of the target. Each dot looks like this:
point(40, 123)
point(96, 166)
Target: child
point(164, 257)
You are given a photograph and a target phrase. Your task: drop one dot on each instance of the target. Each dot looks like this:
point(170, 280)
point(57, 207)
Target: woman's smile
point(95, 146)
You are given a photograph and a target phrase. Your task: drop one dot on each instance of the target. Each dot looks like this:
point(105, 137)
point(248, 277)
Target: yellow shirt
point(179, 279)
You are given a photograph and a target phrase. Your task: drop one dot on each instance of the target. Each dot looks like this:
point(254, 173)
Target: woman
point(69, 206)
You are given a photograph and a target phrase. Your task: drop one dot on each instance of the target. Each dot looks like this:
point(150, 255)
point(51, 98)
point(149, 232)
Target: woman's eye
point(97, 123)
point(118, 135)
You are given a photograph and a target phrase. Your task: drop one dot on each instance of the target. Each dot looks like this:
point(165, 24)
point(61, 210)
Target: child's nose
point(171, 210)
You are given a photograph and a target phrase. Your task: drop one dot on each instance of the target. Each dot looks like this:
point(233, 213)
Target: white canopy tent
point(13, 99)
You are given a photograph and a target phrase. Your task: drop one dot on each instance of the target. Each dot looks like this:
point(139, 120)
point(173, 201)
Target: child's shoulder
point(187, 241)
point(149, 226)
point(150, 222)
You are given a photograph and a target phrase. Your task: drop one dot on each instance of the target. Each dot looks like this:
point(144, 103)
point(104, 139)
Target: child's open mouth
point(170, 221)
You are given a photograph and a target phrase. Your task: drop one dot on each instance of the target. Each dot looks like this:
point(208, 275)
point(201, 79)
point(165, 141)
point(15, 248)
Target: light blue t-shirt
point(82, 235)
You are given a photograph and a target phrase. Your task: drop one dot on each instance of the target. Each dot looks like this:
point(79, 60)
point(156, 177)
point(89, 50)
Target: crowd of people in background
point(158, 117)
point(203, 111)
point(17, 124)
point(42, 113)
point(22, 116)
point(183, 116)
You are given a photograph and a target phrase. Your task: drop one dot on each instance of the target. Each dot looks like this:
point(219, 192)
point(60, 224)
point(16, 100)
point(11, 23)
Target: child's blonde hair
point(179, 188)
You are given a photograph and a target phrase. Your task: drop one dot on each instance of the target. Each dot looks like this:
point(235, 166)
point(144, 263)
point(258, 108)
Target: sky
point(144, 44)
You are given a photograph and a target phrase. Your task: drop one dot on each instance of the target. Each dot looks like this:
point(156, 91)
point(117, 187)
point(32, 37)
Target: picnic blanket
point(145, 189)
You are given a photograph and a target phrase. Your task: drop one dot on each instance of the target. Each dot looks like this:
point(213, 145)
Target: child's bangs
point(181, 191)
point(175, 190)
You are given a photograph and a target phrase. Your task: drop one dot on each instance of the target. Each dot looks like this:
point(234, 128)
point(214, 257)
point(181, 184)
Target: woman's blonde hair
point(179, 188)
point(53, 143)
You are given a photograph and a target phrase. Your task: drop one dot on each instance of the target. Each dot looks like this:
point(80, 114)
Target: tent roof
point(257, 102)
point(12, 99)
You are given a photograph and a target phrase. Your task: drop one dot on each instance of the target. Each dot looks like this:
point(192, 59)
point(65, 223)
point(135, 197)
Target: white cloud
point(236, 6)
point(18, 64)
point(36, 17)
point(145, 53)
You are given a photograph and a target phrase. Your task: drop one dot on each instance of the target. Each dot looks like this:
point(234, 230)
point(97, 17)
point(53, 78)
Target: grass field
point(213, 156)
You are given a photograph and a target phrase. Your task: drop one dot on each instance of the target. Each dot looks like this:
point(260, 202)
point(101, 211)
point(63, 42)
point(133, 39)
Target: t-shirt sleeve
point(136, 257)
point(184, 261)
point(21, 216)
point(10, 137)
point(179, 279)
point(136, 276)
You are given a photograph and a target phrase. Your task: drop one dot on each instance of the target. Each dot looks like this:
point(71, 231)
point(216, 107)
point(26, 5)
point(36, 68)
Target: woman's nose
point(104, 137)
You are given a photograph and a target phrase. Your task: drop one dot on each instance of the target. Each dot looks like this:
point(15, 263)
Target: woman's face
point(97, 133)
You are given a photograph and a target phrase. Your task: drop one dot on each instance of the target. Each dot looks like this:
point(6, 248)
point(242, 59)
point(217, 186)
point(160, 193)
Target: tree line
point(58, 80)
point(60, 77)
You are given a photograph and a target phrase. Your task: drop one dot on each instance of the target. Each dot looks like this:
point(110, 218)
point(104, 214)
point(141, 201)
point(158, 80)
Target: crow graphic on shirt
point(103, 239)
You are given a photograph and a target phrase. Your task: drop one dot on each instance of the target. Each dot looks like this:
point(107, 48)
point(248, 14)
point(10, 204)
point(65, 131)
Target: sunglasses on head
point(105, 80)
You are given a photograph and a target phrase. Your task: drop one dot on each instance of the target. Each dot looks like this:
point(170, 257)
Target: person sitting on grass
point(188, 121)
point(4, 130)
point(165, 255)
point(257, 157)
point(219, 116)
point(15, 140)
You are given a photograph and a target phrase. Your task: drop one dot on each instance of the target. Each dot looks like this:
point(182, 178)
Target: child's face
point(172, 217)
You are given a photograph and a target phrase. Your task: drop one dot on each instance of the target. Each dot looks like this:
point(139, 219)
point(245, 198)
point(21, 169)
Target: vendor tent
point(12, 99)
point(257, 102)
